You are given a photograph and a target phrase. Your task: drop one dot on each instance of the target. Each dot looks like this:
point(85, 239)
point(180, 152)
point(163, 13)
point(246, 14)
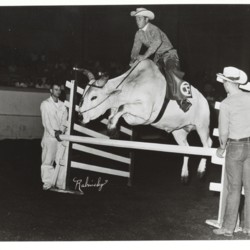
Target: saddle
point(177, 88)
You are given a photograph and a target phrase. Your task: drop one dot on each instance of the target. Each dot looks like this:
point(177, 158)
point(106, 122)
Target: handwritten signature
point(80, 184)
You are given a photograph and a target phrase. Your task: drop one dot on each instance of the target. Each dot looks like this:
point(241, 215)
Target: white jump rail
point(191, 150)
point(89, 150)
point(218, 187)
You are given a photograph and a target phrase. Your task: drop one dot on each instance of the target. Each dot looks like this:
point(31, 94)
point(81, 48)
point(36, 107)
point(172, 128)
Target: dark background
point(207, 37)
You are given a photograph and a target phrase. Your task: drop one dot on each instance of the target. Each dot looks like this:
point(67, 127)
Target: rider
point(165, 56)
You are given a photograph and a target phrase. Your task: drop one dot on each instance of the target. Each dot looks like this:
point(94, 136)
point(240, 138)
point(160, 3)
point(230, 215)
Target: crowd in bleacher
point(38, 70)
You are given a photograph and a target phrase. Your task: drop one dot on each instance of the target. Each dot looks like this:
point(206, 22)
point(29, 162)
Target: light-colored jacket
point(153, 38)
point(54, 117)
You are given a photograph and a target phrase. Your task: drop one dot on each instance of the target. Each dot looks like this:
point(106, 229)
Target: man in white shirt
point(54, 118)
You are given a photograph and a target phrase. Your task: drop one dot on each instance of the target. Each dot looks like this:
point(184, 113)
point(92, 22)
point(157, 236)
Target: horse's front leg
point(134, 114)
point(181, 138)
point(112, 130)
point(207, 143)
point(113, 111)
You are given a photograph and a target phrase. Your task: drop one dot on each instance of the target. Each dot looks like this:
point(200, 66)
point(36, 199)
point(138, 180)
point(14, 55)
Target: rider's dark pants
point(169, 65)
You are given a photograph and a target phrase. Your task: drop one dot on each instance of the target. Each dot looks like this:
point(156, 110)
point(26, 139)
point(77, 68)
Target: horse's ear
point(102, 81)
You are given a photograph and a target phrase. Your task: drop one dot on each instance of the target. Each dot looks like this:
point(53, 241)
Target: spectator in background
point(209, 93)
point(21, 84)
point(39, 84)
point(54, 118)
point(234, 134)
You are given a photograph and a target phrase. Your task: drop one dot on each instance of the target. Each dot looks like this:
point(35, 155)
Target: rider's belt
point(242, 139)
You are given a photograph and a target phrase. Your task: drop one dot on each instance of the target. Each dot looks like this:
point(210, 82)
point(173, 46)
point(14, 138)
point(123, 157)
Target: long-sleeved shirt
point(54, 116)
point(234, 117)
point(153, 38)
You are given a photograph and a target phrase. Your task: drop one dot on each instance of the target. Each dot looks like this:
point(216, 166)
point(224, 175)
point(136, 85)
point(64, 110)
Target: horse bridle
point(92, 85)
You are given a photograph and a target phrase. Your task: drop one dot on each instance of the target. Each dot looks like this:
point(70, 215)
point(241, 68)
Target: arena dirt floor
point(157, 207)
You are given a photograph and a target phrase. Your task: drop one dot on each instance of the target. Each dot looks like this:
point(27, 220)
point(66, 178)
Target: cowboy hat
point(245, 86)
point(143, 12)
point(232, 74)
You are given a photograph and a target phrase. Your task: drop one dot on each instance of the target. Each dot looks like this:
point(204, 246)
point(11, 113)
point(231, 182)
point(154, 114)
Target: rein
point(128, 74)
point(91, 85)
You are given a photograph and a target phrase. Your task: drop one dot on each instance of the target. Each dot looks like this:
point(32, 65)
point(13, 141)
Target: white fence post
point(72, 126)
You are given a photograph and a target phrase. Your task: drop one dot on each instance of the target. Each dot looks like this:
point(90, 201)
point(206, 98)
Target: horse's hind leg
point(207, 143)
point(181, 138)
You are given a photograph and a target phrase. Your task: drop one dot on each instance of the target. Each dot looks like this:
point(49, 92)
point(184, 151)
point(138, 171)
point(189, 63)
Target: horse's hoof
point(201, 175)
point(109, 127)
point(113, 133)
point(184, 179)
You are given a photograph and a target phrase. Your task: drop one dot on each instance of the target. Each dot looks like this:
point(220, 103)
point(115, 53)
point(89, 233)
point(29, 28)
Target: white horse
point(138, 97)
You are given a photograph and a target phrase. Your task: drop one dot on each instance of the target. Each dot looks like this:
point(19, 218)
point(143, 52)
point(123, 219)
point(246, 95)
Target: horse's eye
point(93, 98)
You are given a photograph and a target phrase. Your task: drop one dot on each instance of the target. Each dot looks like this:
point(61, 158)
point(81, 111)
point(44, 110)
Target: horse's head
point(94, 101)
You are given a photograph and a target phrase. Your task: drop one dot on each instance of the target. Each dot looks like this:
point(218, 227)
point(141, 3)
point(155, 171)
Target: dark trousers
point(169, 65)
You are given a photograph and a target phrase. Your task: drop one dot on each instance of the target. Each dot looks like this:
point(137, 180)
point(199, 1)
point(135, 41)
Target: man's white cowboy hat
point(232, 74)
point(143, 12)
point(245, 86)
